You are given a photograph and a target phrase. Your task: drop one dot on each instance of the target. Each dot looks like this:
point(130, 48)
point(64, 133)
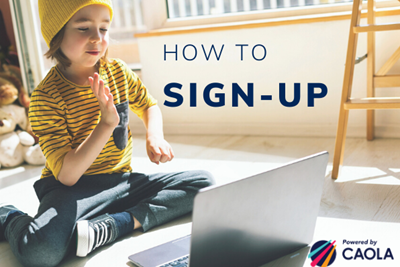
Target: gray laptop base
point(252, 221)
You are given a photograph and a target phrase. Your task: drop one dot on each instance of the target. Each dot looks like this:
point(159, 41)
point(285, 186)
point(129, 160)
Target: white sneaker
point(95, 233)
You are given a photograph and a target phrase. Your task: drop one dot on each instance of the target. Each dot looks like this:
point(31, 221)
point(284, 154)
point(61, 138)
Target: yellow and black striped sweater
point(63, 114)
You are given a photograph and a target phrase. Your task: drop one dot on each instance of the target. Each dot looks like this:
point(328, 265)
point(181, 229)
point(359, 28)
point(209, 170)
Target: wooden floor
point(367, 193)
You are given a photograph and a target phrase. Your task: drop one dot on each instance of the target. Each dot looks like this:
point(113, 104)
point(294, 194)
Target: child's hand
point(109, 114)
point(159, 150)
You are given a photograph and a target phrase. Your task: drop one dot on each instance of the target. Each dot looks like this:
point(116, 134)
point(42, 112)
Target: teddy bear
point(17, 141)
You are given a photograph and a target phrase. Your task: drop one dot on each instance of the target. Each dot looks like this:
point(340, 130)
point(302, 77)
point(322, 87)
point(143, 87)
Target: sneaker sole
point(82, 238)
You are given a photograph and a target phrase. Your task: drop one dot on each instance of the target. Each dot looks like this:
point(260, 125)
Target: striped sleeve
point(139, 97)
point(48, 123)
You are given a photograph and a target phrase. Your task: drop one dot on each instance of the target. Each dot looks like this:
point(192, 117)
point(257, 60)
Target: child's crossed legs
point(152, 199)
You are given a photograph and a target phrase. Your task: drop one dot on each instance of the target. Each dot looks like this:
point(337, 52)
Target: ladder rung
point(377, 27)
point(387, 81)
point(373, 103)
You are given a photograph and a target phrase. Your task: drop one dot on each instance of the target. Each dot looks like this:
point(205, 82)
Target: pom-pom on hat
point(54, 14)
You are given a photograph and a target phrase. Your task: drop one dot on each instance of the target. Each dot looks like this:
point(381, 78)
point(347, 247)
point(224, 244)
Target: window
point(192, 8)
point(200, 13)
point(182, 8)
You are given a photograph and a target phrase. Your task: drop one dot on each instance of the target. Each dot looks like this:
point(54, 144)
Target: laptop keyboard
point(181, 262)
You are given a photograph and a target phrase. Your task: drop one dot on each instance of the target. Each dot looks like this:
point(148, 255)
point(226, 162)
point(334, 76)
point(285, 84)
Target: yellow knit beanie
point(54, 14)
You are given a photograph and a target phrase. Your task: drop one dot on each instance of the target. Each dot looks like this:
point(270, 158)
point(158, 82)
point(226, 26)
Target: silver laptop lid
point(257, 219)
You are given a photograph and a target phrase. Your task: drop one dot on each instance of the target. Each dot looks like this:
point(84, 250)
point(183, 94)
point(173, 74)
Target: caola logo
point(323, 253)
point(371, 252)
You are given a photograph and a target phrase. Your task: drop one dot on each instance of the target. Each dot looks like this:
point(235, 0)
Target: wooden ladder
point(378, 79)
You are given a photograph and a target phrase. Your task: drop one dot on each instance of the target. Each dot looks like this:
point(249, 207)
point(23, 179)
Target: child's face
point(86, 32)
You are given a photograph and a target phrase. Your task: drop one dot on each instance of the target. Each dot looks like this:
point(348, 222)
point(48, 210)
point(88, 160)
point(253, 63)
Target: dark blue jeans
point(152, 199)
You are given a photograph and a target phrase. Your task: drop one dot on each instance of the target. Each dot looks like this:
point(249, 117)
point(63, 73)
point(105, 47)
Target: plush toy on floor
point(16, 144)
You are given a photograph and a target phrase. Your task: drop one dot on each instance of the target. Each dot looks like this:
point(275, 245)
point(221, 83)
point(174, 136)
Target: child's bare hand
point(109, 114)
point(159, 150)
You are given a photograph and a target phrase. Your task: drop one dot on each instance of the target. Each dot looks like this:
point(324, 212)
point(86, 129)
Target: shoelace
point(102, 235)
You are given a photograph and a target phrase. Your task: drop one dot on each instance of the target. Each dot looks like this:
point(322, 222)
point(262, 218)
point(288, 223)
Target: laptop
point(248, 222)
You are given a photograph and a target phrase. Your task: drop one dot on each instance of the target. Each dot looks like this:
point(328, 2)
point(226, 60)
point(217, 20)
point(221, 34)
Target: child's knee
point(204, 178)
point(209, 178)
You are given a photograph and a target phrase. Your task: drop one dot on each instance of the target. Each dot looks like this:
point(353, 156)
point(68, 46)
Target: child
point(87, 192)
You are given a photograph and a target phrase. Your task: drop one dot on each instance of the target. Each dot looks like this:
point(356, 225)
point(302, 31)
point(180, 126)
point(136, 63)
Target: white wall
point(303, 53)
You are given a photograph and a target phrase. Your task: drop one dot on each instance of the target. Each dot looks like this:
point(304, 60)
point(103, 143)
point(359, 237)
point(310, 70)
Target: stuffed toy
point(17, 141)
